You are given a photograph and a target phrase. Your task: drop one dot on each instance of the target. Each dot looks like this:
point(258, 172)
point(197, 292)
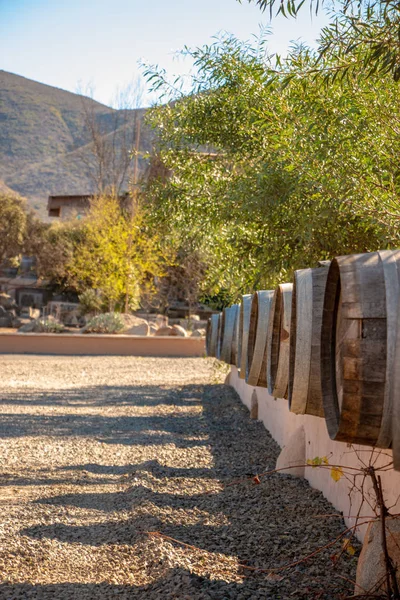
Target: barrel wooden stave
point(235, 337)
point(278, 341)
point(244, 323)
point(300, 341)
point(212, 335)
point(257, 339)
point(227, 329)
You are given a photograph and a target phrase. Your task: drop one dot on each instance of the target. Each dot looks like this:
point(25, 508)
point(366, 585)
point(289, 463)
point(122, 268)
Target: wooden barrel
point(304, 389)
point(358, 340)
point(244, 323)
point(257, 341)
point(227, 328)
point(212, 335)
point(278, 341)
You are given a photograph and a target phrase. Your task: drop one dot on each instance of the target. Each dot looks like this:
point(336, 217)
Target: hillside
point(45, 144)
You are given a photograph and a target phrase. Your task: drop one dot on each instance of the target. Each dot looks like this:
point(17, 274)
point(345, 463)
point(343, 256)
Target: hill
point(45, 139)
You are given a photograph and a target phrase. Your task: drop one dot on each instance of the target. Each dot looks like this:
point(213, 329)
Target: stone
point(199, 333)
point(164, 331)
point(161, 321)
point(153, 329)
point(177, 330)
point(140, 329)
point(135, 325)
point(27, 327)
point(371, 563)
point(34, 313)
point(7, 301)
point(5, 321)
point(292, 458)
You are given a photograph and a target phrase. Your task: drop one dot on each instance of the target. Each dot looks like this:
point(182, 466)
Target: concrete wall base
point(293, 455)
point(282, 424)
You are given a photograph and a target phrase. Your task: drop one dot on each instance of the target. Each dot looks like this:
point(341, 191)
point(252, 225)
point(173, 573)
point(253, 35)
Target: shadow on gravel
point(135, 395)
point(264, 525)
point(152, 466)
point(179, 584)
point(136, 430)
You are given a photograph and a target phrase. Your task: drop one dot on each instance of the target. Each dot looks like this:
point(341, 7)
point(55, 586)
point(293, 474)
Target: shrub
point(106, 323)
point(46, 325)
point(90, 302)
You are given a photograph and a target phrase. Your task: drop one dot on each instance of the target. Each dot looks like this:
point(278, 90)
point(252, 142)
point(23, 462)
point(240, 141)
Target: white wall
point(345, 497)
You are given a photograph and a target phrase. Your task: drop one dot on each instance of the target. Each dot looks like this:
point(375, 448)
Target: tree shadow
point(137, 430)
point(113, 395)
point(263, 525)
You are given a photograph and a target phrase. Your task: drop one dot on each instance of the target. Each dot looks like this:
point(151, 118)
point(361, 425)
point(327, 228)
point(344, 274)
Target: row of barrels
point(329, 342)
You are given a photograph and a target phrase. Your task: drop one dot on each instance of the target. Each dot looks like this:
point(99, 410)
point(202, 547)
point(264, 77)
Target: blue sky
point(100, 42)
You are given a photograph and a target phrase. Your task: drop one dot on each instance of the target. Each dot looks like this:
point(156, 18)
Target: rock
point(371, 564)
point(34, 313)
point(6, 319)
point(164, 331)
point(199, 333)
point(27, 327)
point(153, 330)
point(140, 329)
point(293, 454)
point(161, 321)
point(134, 325)
point(7, 301)
point(194, 317)
point(177, 330)
point(17, 322)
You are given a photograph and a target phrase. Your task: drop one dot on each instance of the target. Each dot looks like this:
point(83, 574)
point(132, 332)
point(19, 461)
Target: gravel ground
point(96, 452)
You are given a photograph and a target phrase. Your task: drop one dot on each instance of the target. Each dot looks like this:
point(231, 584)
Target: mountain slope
point(45, 144)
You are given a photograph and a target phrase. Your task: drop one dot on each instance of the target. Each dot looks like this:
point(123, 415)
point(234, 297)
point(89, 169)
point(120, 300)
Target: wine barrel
point(228, 320)
point(358, 340)
point(257, 341)
point(304, 386)
point(212, 335)
point(278, 341)
point(244, 323)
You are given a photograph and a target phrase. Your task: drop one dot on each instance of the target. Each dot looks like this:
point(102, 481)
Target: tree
point(268, 177)
point(117, 255)
point(362, 38)
point(114, 139)
point(12, 226)
point(53, 246)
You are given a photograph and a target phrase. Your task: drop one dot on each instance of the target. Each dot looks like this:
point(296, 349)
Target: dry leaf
point(256, 479)
point(336, 473)
point(348, 547)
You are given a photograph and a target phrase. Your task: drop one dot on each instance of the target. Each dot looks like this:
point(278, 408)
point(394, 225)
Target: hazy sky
point(64, 42)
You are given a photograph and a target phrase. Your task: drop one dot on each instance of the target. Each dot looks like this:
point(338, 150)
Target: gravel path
point(95, 452)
